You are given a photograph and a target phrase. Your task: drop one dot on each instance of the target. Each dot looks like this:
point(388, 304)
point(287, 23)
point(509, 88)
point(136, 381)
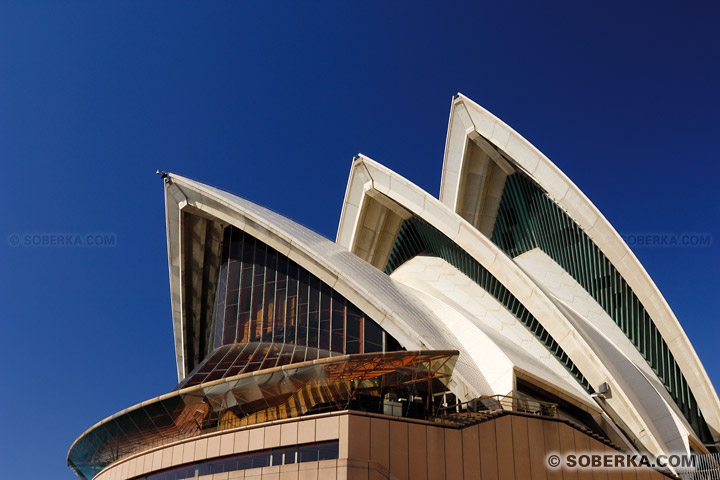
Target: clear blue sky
point(271, 102)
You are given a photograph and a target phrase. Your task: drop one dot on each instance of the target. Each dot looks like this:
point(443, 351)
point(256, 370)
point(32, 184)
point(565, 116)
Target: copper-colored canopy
point(273, 393)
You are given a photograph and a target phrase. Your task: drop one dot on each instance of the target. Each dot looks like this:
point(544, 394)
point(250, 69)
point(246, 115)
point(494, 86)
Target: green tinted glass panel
point(527, 218)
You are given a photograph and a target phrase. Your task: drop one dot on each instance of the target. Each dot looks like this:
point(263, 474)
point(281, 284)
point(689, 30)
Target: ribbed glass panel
point(417, 236)
point(527, 218)
point(263, 296)
point(241, 358)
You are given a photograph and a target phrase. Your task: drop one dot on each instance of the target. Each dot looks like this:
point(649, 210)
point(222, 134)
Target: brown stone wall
point(374, 447)
point(242, 440)
point(505, 448)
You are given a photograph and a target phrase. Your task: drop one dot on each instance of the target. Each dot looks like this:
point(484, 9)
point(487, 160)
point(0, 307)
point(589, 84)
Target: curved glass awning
point(239, 358)
point(285, 391)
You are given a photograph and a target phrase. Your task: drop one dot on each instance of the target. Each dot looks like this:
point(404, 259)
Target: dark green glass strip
point(527, 218)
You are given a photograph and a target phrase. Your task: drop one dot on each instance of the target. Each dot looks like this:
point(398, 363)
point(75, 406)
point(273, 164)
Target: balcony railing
point(486, 407)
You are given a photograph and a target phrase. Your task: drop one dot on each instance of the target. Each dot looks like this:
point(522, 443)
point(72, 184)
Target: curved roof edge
point(489, 344)
point(467, 120)
point(369, 179)
point(568, 287)
point(373, 292)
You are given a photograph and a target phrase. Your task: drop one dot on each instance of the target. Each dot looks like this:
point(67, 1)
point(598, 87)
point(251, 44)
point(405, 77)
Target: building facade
point(467, 336)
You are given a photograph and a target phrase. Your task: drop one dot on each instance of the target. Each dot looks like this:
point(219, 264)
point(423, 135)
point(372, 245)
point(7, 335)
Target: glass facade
point(262, 296)
point(416, 236)
point(239, 358)
point(527, 218)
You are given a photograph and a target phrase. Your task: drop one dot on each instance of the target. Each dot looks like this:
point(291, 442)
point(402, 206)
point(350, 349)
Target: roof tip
point(164, 175)
point(361, 157)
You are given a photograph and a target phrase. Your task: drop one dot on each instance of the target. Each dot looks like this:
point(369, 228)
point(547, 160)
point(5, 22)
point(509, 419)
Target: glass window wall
point(263, 296)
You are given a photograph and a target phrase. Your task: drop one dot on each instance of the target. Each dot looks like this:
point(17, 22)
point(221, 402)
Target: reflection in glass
point(239, 358)
point(263, 296)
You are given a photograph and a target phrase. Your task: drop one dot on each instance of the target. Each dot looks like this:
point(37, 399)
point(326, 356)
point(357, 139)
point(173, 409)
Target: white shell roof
point(368, 179)
point(487, 330)
point(422, 317)
point(468, 120)
point(383, 299)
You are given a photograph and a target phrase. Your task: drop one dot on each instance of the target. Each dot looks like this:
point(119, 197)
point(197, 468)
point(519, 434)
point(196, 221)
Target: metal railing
point(489, 406)
point(705, 467)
